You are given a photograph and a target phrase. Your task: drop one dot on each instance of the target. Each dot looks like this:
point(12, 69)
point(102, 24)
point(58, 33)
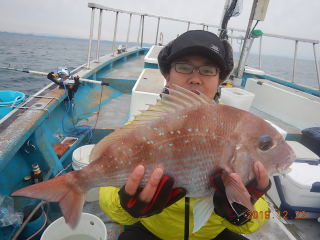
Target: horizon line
point(79, 38)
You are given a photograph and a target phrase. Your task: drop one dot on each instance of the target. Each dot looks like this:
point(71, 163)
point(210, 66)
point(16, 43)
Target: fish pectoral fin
point(202, 210)
point(237, 193)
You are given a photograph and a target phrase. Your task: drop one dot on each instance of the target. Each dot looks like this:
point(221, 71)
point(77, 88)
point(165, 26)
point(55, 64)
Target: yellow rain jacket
point(169, 224)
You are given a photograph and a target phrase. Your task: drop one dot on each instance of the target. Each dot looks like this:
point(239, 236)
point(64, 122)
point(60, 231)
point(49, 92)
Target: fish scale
point(187, 135)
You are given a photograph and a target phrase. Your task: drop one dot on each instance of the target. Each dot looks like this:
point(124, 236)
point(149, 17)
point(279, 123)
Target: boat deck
point(124, 76)
point(286, 229)
point(131, 70)
point(293, 132)
point(275, 228)
point(112, 115)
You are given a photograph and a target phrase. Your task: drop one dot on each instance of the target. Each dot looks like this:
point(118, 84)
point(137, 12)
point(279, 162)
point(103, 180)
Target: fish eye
point(265, 143)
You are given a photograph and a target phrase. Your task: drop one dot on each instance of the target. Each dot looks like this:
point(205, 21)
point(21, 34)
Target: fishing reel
point(65, 81)
point(63, 72)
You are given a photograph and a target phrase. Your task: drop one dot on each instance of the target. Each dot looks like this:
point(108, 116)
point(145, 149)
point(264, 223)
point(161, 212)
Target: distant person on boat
point(199, 61)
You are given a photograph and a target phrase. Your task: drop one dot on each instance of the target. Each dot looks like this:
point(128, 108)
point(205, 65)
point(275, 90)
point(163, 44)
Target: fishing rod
point(70, 77)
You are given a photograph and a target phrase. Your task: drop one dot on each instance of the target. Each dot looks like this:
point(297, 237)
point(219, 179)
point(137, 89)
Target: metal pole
point(157, 32)
point(139, 32)
point(260, 47)
point(232, 37)
point(128, 32)
point(295, 62)
point(315, 58)
point(90, 38)
point(142, 30)
point(115, 33)
point(240, 67)
point(226, 4)
point(188, 26)
point(99, 36)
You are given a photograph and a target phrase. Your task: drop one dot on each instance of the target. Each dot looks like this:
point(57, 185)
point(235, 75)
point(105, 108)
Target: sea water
point(79, 237)
point(45, 54)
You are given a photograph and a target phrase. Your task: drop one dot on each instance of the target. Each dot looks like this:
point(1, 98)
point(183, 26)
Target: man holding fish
point(197, 61)
point(186, 167)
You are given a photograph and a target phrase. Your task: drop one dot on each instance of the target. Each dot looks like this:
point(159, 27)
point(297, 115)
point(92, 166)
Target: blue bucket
point(35, 223)
point(7, 99)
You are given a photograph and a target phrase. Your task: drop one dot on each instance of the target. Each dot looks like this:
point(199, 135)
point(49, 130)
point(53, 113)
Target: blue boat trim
point(315, 187)
point(308, 161)
point(296, 86)
point(12, 118)
point(151, 65)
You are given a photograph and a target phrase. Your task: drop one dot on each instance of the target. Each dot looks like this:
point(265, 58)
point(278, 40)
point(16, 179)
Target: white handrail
point(141, 25)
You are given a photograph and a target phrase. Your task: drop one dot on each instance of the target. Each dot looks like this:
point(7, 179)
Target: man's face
point(208, 85)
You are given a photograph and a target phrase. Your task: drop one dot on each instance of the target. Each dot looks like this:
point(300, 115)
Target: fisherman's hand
point(50, 76)
point(262, 183)
point(238, 214)
point(153, 198)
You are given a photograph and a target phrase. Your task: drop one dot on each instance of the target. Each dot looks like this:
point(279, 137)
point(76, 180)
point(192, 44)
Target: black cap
point(198, 42)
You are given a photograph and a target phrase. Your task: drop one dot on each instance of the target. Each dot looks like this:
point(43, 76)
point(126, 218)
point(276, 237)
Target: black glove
point(76, 84)
point(52, 78)
point(256, 192)
point(237, 214)
point(164, 197)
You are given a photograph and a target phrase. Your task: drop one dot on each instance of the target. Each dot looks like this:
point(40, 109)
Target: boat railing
point(206, 26)
point(297, 40)
point(94, 6)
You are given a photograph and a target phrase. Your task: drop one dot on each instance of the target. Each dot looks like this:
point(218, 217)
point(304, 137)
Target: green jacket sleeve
point(109, 202)
point(261, 206)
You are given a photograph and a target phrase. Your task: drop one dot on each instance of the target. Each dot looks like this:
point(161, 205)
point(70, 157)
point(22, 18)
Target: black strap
point(186, 218)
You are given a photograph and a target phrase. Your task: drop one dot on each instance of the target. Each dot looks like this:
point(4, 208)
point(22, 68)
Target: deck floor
point(285, 126)
point(131, 70)
point(286, 229)
point(275, 228)
point(112, 115)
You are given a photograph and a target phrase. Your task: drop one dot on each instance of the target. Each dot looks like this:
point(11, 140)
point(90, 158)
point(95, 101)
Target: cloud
point(296, 18)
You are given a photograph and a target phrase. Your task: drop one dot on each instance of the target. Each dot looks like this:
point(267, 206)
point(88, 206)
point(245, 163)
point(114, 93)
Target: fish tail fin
point(62, 189)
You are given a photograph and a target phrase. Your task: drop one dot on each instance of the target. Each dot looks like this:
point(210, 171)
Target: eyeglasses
point(186, 68)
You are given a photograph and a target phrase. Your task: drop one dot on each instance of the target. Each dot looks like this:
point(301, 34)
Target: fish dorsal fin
point(98, 149)
point(169, 104)
point(151, 113)
point(143, 118)
point(201, 97)
point(176, 100)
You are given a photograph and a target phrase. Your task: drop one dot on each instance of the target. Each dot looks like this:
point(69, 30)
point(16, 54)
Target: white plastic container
point(253, 71)
point(146, 90)
point(296, 187)
point(90, 227)
point(237, 97)
point(80, 159)
point(236, 82)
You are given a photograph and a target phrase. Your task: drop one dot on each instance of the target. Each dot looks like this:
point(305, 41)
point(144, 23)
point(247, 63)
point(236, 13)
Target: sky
point(294, 18)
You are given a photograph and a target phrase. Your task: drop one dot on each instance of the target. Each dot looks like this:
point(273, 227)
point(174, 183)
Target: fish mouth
point(283, 166)
point(195, 91)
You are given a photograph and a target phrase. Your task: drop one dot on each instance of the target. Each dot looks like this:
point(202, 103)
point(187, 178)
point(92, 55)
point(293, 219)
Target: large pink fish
point(190, 137)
